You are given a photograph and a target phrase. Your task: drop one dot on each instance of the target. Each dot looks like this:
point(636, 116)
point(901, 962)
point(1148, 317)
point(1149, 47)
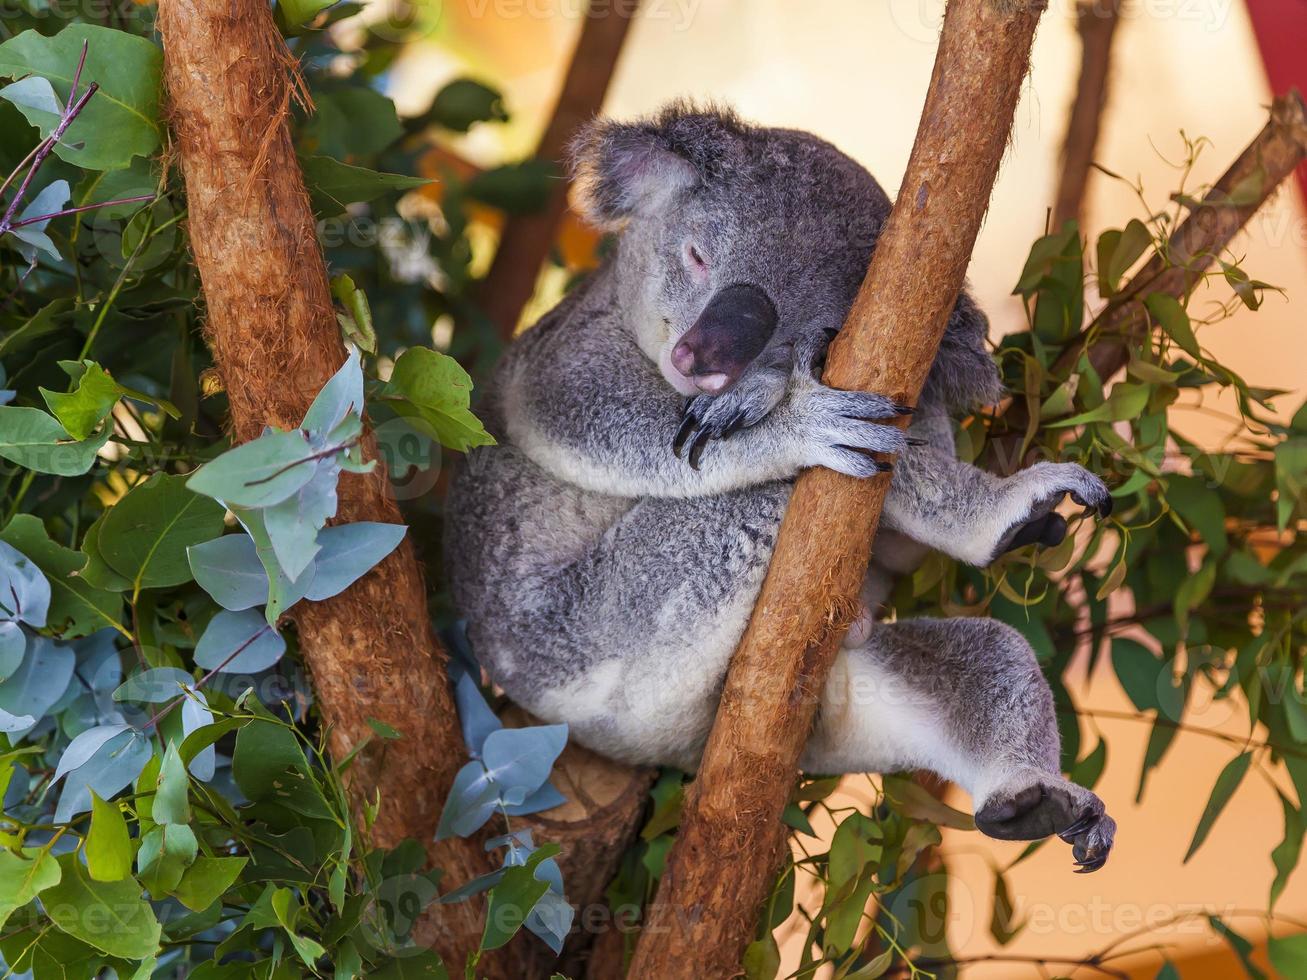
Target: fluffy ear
point(624, 169)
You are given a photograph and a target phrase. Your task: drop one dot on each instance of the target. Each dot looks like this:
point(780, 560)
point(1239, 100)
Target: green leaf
point(294, 14)
point(205, 881)
point(1118, 251)
point(465, 102)
point(1226, 783)
point(121, 120)
point(1127, 401)
point(512, 900)
point(1201, 507)
point(76, 608)
point(1288, 954)
point(37, 441)
point(89, 403)
point(97, 572)
point(287, 909)
point(914, 800)
point(1172, 318)
point(269, 765)
point(351, 122)
point(1241, 946)
point(259, 473)
point(1290, 479)
point(109, 915)
point(356, 322)
point(857, 844)
point(108, 845)
point(1003, 923)
point(333, 185)
point(171, 802)
point(23, 878)
point(762, 958)
point(433, 392)
point(165, 853)
point(518, 188)
point(1287, 852)
point(37, 326)
point(145, 535)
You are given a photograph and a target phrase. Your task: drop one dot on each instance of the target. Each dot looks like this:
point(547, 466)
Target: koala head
point(737, 242)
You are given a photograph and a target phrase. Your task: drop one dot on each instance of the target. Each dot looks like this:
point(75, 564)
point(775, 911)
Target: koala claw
point(1091, 838)
point(1048, 484)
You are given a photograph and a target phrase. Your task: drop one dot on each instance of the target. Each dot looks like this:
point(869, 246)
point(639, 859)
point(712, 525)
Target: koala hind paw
point(1051, 806)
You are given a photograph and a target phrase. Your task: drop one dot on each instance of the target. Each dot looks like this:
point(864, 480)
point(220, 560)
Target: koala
point(606, 554)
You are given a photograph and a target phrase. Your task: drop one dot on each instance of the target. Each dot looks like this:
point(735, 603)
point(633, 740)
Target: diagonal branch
point(731, 838)
point(1180, 265)
point(525, 243)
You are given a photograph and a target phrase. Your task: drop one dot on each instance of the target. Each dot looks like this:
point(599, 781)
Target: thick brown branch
point(525, 242)
point(275, 341)
point(731, 838)
point(1096, 20)
point(1176, 269)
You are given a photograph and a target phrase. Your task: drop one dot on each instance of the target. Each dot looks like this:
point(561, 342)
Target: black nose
point(731, 331)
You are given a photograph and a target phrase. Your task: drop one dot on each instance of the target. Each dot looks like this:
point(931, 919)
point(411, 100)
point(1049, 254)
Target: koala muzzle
point(731, 331)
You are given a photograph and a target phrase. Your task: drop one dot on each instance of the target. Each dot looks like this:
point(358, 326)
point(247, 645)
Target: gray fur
point(606, 581)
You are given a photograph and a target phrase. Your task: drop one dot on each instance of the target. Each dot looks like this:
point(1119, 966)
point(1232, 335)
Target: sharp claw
point(733, 426)
point(903, 410)
point(884, 467)
point(696, 447)
point(914, 441)
point(1105, 506)
point(831, 332)
point(688, 423)
point(1078, 827)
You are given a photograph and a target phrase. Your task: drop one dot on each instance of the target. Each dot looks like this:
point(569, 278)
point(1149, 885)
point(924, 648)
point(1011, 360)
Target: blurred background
point(856, 72)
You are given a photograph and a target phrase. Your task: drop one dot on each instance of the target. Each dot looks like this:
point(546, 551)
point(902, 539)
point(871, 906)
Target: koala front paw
point(1041, 488)
point(709, 417)
point(838, 430)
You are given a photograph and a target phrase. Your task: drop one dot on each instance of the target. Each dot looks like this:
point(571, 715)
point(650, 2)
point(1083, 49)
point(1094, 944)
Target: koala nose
point(731, 331)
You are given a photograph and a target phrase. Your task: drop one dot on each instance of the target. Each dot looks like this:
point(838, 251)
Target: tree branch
point(731, 837)
point(1096, 22)
point(526, 239)
point(1178, 267)
point(275, 341)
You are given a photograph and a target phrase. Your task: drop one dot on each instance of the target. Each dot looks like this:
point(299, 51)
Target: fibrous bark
point(1096, 21)
point(731, 839)
point(275, 341)
point(526, 239)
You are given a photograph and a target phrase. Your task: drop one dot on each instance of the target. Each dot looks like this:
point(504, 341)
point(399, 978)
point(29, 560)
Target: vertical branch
point(731, 838)
point(525, 242)
point(275, 341)
point(1096, 22)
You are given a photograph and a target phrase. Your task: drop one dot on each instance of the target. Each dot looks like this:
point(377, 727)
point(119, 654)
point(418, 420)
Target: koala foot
point(1051, 806)
point(1046, 485)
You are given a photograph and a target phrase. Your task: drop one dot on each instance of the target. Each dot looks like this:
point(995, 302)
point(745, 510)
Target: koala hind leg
point(963, 698)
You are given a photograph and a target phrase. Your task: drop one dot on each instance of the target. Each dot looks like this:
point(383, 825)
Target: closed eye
point(694, 261)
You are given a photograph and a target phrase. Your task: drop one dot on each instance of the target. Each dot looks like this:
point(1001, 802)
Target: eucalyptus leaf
point(348, 552)
point(239, 643)
point(259, 473)
point(122, 119)
point(228, 568)
point(37, 441)
point(76, 607)
point(145, 536)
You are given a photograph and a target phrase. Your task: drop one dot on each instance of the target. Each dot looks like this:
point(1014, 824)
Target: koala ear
point(624, 169)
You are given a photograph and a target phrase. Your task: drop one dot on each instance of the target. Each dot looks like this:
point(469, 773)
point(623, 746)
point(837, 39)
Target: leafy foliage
point(168, 805)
